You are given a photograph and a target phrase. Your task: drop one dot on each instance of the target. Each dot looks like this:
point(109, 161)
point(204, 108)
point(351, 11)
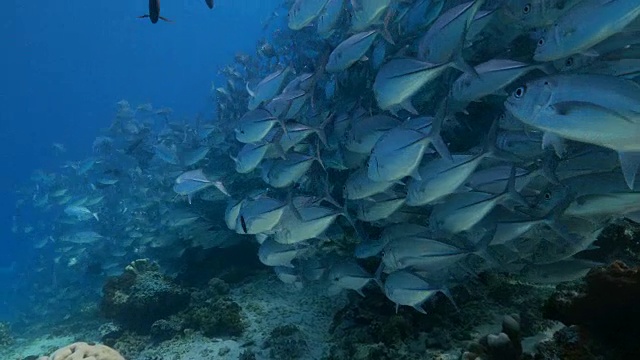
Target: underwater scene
point(321, 179)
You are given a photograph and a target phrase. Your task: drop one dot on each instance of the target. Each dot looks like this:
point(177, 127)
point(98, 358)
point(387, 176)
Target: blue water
point(66, 63)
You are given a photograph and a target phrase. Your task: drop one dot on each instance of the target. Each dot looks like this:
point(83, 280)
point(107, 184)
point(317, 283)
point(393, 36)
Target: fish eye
point(568, 62)
point(541, 42)
point(526, 9)
point(519, 92)
point(547, 196)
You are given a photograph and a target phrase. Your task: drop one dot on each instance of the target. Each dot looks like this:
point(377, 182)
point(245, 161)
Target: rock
point(286, 342)
point(606, 306)
point(109, 332)
point(163, 330)
point(141, 296)
point(6, 339)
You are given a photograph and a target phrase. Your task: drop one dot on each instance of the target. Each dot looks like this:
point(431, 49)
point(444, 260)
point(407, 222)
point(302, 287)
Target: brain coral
point(84, 351)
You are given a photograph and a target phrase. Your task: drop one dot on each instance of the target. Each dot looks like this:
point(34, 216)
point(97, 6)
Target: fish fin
point(220, 186)
point(189, 198)
point(547, 68)
point(359, 291)
point(249, 91)
point(634, 216)
point(397, 307)
point(569, 107)
point(164, 19)
point(461, 64)
point(445, 291)
point(416, 307)
point(629, 162)
point(385, 33)
point(548, 168)
point(415, 174)
point(95, 215)
point(143, 16)
point(436, 126)
point(590, 53)
point(407, 105)
point(364, 58)
point(558, 143)
point(320, 130)
point(317, 156)
point(511, 190)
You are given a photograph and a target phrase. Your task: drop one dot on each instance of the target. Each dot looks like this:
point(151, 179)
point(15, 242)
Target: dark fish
point(209, 3)
point(154, 12)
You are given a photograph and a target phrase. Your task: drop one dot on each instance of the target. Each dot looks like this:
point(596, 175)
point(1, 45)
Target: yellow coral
point(84, 351)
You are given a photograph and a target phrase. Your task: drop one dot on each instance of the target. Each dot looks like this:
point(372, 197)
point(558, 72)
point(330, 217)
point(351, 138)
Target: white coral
point(84, 351)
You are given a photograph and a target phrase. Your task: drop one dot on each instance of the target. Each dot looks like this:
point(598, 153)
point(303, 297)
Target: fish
point(330, 17)
point(445, 39)
point(254, 126)
point(399, 151)
point(260, 215)
point(349, 276)
point(304, 12)
point(190, 182)
point(154, 12)
point(267, 88)
point(80, 212)
point(408, 289)
point(584, 26)
point(273, 253)
point(398, 80)
point(583, 108)
point(350, 51)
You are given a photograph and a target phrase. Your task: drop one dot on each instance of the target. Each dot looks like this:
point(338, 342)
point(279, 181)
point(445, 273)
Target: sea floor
point(267, 304)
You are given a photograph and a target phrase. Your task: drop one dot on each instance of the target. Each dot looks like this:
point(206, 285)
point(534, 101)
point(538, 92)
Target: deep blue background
point(64, 64)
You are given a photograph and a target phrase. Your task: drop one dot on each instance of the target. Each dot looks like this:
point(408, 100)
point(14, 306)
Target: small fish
point(80, 212)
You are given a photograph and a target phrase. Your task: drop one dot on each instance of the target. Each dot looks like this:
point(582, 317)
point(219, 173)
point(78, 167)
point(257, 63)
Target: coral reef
point(286, 342)
point(6, 339)
point(568, 343)
point(605, 306)
point(219, 317)
point(507, 345)
point(162, 329)
point(84, 351)
point(141, 296)
point(143, 301)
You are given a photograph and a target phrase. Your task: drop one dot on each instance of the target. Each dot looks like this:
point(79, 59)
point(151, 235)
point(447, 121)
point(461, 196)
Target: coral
point(213, 312)
point(606, 306)
point(84, 351)
point(216, 317)
point(109, 332)
point(162, 329)
point(568, 343)
point(130, 344)
point(507, 345)
point(286, 342)
point(247, 355)
point(5, 335)
point(141, 296)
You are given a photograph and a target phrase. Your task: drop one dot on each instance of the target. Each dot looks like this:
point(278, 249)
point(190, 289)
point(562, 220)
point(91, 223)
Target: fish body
point(584, 26)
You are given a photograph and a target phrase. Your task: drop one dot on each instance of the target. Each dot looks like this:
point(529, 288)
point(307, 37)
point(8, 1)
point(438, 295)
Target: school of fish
point(436, 139)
